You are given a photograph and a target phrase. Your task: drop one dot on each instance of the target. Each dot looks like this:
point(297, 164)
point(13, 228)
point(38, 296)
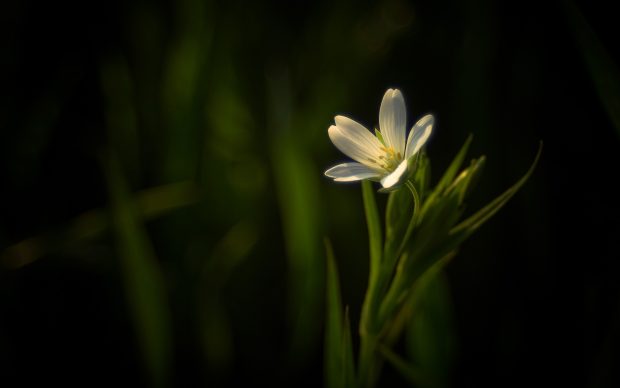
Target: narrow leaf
point(334, 336)
point(422, 174)
point(467, 179)
point(451, 171)
point(144, 282)
point(398, 213)
point(149, 203)
point(476, 220)
point(347, 352)
point(298, 192)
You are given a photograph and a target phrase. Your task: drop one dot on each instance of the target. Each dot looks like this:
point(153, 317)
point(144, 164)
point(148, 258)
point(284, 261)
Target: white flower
point(386, 158)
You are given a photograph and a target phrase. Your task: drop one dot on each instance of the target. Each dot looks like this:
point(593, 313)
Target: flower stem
point(367, 361)
point(371, 322)
point(414, 218)
point(384, 311)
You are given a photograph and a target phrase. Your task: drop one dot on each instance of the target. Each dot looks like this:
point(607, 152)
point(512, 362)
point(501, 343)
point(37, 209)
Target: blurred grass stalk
point(145, 286)
point(298, 194)
point(144, 280)
point(216, 330)
point(150, 203)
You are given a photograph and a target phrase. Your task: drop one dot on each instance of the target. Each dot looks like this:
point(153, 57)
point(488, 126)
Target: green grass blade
point(335, 349)
point(467, 179)
point(347, 353)
point(422, 174)
point(297, 181)
point(452, 170)
point(476, 220)
point(144, 281)
point(298, 197)
point(398, 213)
point(150, 203)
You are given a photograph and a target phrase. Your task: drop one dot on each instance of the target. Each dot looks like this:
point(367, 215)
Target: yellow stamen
point(390, 159)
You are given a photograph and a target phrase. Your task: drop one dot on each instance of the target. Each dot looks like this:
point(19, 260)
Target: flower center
point(389, 160)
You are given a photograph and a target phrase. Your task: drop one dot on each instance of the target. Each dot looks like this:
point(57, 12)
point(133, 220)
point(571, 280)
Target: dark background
point(236, 97)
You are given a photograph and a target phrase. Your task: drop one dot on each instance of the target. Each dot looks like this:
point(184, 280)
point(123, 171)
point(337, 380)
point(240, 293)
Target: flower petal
point(355, 141)
point(393, 120)
point(419, 135)
point(349, 172)
point(397, 177)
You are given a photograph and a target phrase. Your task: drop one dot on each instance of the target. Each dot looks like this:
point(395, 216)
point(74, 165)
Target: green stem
point(367, 361)
point(367, 328)
point(414, 218)
point(370, 327)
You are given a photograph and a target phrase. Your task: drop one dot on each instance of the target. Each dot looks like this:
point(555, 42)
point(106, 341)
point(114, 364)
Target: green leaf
point(338, 353)
point(467, 179)
point(429, 243)
point(413, 223)
point(422, 174)
point(448, 177)
point(415, 296)
point(347, 352)
point(451, 171)
point(476, 220)
point(144, 280)
point(398, 213)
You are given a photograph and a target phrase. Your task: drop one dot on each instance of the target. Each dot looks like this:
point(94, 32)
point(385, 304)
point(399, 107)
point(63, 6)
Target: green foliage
point(144, 282)
point(187, 99)
point(339, 369)
point(407, 291)
point(297, 187)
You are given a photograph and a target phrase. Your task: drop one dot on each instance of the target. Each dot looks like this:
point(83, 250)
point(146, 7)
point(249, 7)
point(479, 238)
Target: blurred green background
point(163, 207)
